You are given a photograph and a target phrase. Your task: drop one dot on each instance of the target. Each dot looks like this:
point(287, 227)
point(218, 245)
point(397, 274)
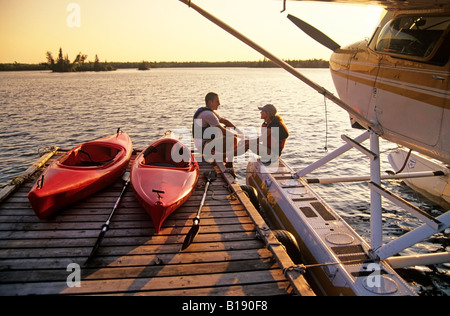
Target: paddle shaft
point(105, 226)
point(117, 202)
point(202, 203)
point(196, 226)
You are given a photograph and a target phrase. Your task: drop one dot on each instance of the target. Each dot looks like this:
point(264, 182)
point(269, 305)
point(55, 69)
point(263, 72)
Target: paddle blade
point(315, 33)
point(211, 176)
point(96, 246)
point(190, 236)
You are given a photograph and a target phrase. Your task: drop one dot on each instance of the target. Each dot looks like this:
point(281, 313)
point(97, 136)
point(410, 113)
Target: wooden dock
point(234, 254)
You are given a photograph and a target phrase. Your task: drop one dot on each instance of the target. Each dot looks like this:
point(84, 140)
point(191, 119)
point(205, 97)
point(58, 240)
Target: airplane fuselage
point(400, 80)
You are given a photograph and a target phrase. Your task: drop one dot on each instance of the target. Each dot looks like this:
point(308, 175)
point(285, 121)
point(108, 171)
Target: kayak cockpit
point(167, 154)
point(92, 155)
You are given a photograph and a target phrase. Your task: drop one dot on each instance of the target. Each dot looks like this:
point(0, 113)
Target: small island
point(144, 66)
point(63, 64)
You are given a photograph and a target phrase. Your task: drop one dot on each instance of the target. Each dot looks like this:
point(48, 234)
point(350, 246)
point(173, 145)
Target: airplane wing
point(395, 4)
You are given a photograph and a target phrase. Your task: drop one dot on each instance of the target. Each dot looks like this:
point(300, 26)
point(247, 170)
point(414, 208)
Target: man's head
point(269, 109)
point(212, 101)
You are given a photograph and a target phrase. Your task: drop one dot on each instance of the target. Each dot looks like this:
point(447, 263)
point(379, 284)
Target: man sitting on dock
point(214, 135)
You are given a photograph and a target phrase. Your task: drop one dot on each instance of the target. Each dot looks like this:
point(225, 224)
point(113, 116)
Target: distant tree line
point(63, 64)
point(23, 67)
point(311, 63)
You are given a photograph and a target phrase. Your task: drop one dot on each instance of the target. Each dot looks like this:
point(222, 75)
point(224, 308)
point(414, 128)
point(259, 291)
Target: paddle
point(105, 227)
point(211, 176)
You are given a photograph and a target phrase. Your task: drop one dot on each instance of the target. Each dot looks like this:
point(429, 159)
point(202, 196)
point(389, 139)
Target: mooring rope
point(17, 180)
point(302, 268)
point(326, 124)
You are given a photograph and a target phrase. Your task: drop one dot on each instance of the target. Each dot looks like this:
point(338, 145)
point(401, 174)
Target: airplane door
point(409, 101)
point(412, 84)
point(363, 71)
point(354, 71)
point(445, 134)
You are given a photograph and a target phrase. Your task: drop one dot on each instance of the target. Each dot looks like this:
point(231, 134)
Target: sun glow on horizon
point(167, 30)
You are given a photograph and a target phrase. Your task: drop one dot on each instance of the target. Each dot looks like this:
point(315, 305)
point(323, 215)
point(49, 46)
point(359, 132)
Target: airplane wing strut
point(281, 63)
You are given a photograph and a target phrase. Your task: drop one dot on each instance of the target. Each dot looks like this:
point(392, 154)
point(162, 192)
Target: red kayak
point(163, 177)
point(82, 171)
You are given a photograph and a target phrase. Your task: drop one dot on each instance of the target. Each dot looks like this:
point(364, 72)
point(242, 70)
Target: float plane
point(399, 83)
point(394, 85)
point(399, 80)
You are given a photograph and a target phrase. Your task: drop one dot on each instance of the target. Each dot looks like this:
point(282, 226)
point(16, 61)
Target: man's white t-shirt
point(209, 118)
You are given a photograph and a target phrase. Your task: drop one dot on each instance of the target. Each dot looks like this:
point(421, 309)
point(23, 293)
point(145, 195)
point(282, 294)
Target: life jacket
point(195, 126)
point(283, 132)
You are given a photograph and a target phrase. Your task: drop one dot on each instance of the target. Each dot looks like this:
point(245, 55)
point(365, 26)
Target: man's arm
point(214, 120)
point(226, 122)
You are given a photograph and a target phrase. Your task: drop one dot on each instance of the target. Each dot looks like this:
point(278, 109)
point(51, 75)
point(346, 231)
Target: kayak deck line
point(228, 257)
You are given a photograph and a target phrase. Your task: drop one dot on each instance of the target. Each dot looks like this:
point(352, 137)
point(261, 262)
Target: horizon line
point(179, 62)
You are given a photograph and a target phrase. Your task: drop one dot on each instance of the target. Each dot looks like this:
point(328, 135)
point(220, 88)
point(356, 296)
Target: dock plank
point(226, 258)
point(149, 285)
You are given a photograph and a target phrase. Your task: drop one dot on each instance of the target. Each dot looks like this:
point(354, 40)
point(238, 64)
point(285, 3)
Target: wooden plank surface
point(226, 257)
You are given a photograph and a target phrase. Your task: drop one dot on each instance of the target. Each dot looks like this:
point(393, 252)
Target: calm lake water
point(42, 109)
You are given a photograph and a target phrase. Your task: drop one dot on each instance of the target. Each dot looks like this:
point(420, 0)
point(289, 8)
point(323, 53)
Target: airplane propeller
point(315, 33)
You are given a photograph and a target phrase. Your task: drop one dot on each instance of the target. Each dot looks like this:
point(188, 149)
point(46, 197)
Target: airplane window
point(415, 36)
point(442, 56)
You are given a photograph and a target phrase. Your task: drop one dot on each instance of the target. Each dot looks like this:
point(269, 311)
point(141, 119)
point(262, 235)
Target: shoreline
point(312, 63)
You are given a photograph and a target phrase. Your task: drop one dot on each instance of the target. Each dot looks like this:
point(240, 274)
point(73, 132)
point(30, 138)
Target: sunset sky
point(167, 30)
